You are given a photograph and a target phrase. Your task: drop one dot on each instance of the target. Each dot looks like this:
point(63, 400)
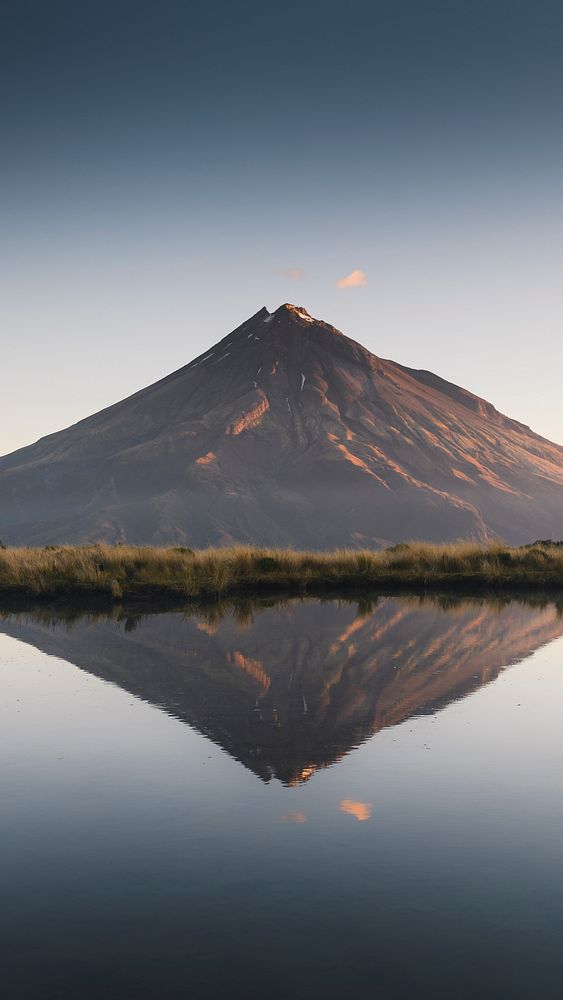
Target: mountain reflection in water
point(292, 687)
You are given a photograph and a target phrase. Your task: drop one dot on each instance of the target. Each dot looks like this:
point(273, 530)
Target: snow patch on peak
point(298, 311)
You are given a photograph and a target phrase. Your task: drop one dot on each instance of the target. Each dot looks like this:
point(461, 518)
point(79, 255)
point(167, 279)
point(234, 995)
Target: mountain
point(287, 433)
point(294, 688)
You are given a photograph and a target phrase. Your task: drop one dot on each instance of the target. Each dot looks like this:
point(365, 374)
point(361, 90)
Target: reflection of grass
point(126, 571)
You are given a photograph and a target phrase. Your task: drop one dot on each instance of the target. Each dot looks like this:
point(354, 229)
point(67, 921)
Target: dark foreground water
point(312, 800)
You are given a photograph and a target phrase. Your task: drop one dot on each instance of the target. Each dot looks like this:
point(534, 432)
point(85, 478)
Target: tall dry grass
point(122, 570)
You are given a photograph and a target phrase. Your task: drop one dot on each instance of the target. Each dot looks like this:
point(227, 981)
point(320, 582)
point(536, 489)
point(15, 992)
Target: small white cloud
point(295, 273)
point(355, 279)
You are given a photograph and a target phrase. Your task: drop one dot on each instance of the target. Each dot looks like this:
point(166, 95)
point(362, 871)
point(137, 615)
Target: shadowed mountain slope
point(290, 689)
point(287, 433)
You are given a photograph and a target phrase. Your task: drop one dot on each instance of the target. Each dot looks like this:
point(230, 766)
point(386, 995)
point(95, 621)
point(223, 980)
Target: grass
point(119, 572)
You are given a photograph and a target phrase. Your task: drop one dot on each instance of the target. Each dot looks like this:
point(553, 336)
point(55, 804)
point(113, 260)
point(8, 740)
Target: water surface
point(302, 800)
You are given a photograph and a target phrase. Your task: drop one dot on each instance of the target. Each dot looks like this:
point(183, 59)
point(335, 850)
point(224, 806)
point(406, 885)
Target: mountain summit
point(287, 433)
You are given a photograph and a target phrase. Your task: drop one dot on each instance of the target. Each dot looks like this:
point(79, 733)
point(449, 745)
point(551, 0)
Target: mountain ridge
point(287, 432)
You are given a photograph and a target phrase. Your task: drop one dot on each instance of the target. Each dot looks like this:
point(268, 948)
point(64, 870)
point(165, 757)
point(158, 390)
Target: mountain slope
point(287, 432)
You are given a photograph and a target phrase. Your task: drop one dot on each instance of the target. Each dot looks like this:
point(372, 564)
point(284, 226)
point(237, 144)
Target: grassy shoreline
point(115, 573)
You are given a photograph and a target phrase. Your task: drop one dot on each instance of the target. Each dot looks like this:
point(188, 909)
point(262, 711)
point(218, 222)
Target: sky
point(168, 167)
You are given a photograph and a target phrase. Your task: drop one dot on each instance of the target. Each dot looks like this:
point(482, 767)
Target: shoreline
point(114, 574)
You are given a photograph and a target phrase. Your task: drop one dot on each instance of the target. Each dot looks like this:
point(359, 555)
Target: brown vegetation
point(126, 571)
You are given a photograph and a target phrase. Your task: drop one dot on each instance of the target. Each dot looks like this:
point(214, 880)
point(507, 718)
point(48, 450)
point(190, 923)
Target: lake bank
point(122, 572)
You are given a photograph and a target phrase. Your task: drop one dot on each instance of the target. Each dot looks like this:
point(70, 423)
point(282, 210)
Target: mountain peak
point(287, 432)
point(298, 312)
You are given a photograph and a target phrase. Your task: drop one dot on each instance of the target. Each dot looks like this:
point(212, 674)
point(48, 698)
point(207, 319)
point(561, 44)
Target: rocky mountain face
point(290, 689)
point(287, 433)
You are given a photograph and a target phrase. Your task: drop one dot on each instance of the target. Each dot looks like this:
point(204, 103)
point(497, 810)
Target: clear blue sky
point(169, 167)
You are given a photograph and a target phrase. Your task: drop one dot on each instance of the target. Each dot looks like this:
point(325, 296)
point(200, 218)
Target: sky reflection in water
point(394, 829)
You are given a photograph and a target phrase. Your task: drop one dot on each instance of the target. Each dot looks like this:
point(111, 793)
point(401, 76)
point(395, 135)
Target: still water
point(304, 800)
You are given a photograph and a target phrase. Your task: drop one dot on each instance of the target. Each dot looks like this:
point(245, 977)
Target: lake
point(294, 799)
